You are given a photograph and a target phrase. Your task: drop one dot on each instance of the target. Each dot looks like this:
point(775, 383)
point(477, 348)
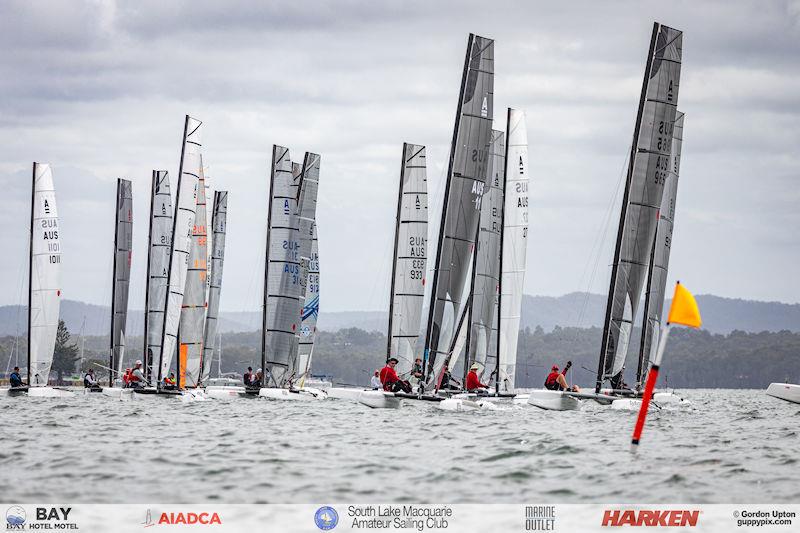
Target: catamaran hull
point(306, 394)
point(378, 399)
point(553, 400)
point(226, 393)
point(659, 398)
point(784, 391)
point(49, 392)
point(114, 392)
point(14, 391)
point(347, 393)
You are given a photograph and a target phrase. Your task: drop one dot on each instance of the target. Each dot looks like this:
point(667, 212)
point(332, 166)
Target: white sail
point(123, 241)
point(193, 310)
point(514, 248)
point(310, 312)
point(410, 259)
point(182, 225)
point(158, 254)
point(282, 296)
point(219, 222)
point(44, 297)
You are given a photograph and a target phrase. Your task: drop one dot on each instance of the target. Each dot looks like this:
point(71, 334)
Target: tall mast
point(147, 362)
point(502, 243)
point(396, 245)
point(30, 268)
point(114, 289)
point(266, 268)
point(623, 213)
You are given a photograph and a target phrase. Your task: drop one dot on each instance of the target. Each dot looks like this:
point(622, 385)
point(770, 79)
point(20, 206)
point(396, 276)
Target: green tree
point(66, 354)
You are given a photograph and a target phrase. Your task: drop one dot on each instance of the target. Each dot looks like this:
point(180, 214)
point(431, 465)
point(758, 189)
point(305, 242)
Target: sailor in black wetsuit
point(15, 379)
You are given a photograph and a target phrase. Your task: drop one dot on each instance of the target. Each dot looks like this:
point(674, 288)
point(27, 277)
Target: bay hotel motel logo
point(46, 518)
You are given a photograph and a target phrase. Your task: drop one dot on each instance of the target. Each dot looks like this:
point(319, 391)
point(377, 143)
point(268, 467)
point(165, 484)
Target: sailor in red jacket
point(391, 381)
point(558, 381)
point(473, 383)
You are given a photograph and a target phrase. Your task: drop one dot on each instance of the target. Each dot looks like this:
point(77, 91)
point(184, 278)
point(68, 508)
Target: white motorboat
point(304, 394)
point(378, 399)
point(553, 400)
point(784, 391)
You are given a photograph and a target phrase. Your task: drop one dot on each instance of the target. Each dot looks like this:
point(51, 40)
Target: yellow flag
point(684, 308)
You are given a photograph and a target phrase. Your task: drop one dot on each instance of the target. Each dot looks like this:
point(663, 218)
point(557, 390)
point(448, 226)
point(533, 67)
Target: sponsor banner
point(401, 518)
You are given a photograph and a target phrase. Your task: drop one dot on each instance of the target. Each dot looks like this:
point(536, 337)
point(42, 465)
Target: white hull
point(784, 391)
point(194, 395)
point(659, 398)
point(226, 392)
point(49, 392)
point(378, 399)
point(347, 393)
point(521, 399)
point(305, 394)
point(553, 400)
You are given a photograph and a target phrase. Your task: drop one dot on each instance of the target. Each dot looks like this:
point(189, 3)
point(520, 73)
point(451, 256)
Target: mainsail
point(282, 287)
point(193, 309)
point(466, 180)
point(158, 254)
point(44, 280)
point(310, 312)
point(659, 258)
point(647, 171)
point(182, 225)
point(123, 237)
point(218, 226)
point(486, 273)
point(514, 245)
point(410, 257)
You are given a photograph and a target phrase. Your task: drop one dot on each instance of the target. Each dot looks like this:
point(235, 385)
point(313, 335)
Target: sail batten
point(182, 227)
point(219, 221)
point(44, 276)
point(123, 240)
point(464, 189)
point(647, 172)
point(410, 258)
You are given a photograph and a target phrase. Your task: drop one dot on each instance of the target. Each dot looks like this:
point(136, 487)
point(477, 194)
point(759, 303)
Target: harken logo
point(652, 518)
point(15, 517)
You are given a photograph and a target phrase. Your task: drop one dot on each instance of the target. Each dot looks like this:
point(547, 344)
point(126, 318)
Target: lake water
point(732, 446)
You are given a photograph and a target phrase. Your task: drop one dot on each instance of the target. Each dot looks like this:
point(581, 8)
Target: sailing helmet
point(138, 362)
point(555, 368)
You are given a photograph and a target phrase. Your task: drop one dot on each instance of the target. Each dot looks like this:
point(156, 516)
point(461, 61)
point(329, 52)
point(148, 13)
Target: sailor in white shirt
point(375, 382)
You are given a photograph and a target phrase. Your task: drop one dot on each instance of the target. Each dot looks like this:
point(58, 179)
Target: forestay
point(464, 190)
point(123, 239)
point(218, 226)
point(647, 171)
point(44, 291)
point(193, 310)
point(659, 258)
point(160, 246)
point(410, 258)
point(514, 249)
point(182, 226)
point(282, 287)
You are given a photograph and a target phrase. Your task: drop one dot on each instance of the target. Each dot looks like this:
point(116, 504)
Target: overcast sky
point(99, 89)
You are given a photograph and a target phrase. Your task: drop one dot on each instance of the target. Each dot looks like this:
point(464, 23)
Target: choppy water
point(733, 446)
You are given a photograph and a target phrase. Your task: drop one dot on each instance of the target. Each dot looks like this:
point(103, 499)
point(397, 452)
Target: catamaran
point(44, 287)
point(649, 166)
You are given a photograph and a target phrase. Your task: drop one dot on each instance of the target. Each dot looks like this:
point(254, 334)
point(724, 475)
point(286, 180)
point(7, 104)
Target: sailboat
point(183, 222)
point(464, 191)
point(159, 250)
point(648, 168)
point(44, 292)
point(283, 371)
point(123, 243)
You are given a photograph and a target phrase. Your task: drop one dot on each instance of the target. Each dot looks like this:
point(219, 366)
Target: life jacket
point(168, 381)
point(551, 383)
point(127, 377)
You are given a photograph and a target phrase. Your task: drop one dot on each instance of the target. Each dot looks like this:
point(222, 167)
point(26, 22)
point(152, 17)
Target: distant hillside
point(720, 315)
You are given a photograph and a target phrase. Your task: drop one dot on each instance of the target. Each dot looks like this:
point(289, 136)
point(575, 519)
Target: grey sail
point(158, 255)
point(647, 171)
point(123, 240)
point(219, 221)
point(410, 259)
point(282, 287)
point(659, 259)
point(466, 181)
point(307, 209)
point(486, 274)
point(310, 312)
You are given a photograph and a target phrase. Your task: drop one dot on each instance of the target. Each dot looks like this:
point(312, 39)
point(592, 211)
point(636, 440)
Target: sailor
point(89, 381)
point(136, 379)
point(558, 381)
point(169, 381)
point(15, 380)
point(375, 381)
point(390, 380)
point(255, 380)
point(473, 383)
point(448, 382)
point(247, 376)
point(416, 370)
